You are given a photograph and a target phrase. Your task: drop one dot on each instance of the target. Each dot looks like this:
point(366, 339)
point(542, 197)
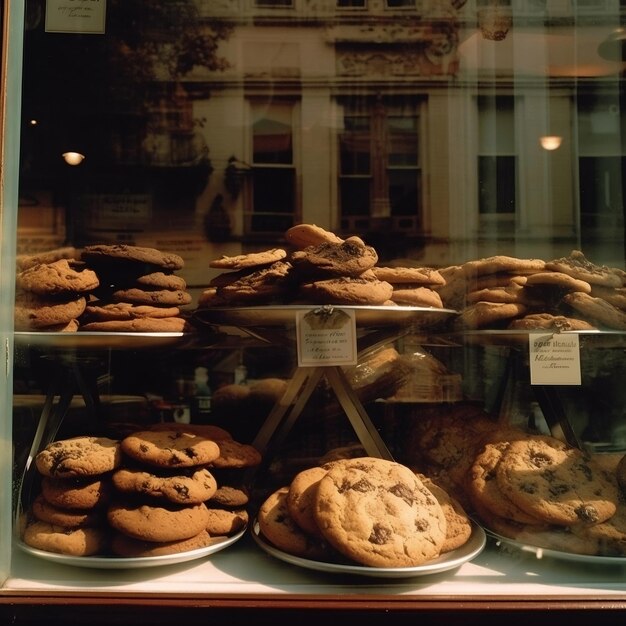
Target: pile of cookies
point(568, 293)
point(160, 491)
point(363, 511)
point(529, 487)
point(140, 290)
point(318, 267)
point(117, 288)
point(52, 295)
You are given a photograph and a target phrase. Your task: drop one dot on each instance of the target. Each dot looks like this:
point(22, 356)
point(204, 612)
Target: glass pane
point(272, 134)
point(403, 192)
point(273, 190)
point(355, 196)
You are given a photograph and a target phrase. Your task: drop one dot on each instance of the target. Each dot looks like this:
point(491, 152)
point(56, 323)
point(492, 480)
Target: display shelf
point(243, 576)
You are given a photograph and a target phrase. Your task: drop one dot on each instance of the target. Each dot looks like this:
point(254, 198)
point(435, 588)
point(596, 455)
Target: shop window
point(379, 165)
point(497, 161)
point(351, 4)
point(273, 174)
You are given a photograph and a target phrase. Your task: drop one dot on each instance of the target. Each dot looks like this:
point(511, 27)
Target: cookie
point(191, 488)
point(301, 498)
point(279, 528)
point(350, 258)
point(458, 523)
point(489, 314)
point(512, 292)
point(24, 261)
point(417, 296)
point(613, 295)
point(502, 263)
point(87, 541)
point(170, 449)
point(126, 311)
point(597, 309)
point(153, 297)
point(609, 537)
point(555, 483)
point(235, 454)
point(263, 285)
point(548, 321)
point(483, 489)
point(347, 290)
point(33, 312)
point(225, 521)
point(65, 518)
point(578, 266)
point(558, 279)
point(304, 235)
point(123, 253)
point(252, 259)
point(228, 496)
point(79, 457)
point(140, 325)
point(50, 279)
point(411, 275)
point(378, 513)
point(76, 493)
point(124, 546)
point(161, 280)
point(163, 522)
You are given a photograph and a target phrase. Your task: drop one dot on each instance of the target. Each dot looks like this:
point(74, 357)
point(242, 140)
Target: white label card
point(76, 16)
point(554, 359)
point(326, 336)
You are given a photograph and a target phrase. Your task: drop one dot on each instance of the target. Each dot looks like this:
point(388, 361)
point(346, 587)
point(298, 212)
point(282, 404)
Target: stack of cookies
point(152, 493)
point(363, 511)
point(503, 292)
point(537, 490)
point(140, 290)
point(52, 296)
point(318, 267)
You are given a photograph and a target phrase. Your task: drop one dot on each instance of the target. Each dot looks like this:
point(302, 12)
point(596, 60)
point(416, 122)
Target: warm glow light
point(550, 142)
point(73, 158)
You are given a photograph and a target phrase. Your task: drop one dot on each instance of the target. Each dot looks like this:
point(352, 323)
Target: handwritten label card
point(76, 16)
point(326, 336)
point(554, 359)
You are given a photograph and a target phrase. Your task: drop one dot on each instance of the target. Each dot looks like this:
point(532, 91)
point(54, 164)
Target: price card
point(554, 359)
point(76, 16)
point(326, 336)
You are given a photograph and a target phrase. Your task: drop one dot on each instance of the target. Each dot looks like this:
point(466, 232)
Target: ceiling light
point(550, 142)
point(73, 158)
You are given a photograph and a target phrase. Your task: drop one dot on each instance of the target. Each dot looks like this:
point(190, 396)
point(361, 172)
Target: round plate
point(285, 315)
point(540, 553)
point(113, 562)
point(122, 341)
point(450, 560)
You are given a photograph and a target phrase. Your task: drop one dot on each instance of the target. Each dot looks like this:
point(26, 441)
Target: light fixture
point(73, 158)
point(613, 48)
point(550, 142)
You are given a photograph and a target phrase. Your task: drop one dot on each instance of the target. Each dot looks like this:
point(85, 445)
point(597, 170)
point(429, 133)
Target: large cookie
point(79, 457)
point(351, 257)
point(192, 488)
point(578, 266)
point(123, 253)
point(252, 259)
point(304, 235)
point(597, 309)
point(65, 518)
point(49, 279)
point(87, 541)
point(278, 527)
point(127, 547)
point(76, 493)
point(555, 483)
point(347, 290)
point(170, 449)
point(378, 513)
point(34, 312)
point(158, 522)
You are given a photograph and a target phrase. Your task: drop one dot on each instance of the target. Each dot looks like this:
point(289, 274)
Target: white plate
point(285, 315)
point(450, 560)
point(540, 553)
point(113, 562)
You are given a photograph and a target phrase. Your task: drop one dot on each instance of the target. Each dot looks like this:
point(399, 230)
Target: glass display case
point(312, 235)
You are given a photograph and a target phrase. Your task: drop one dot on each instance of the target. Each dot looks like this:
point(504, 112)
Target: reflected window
point(379, 164)
point(273, 173)
point(497, 159)
point(346, 4)
point(601, 163)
